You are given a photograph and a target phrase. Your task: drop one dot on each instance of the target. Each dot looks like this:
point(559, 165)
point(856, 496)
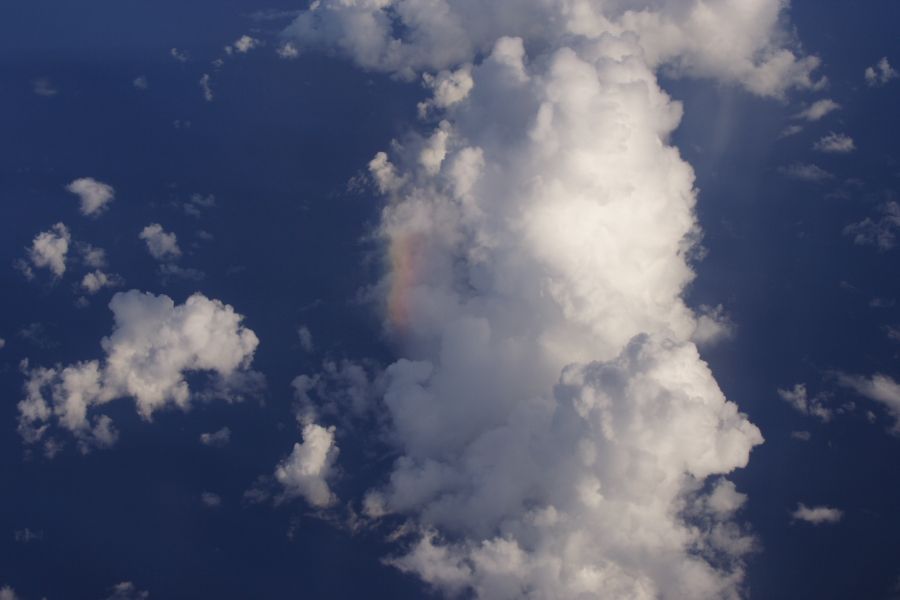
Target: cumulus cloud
point(817, 515)
point(806, 172)
point(305, 337)
point(835, 143)
point(127, 591)
point(880, 232)
point(211, 500)
point(818, 110)
point(557, 432)
point(154, 345)
point(49, 249)
point(206, 87)
point(799, 398)
point(97, 280)
point(306, 471)
point(161, 244)
point(95, 195)
point(287, 51)
point(713, 326)
point(216, 439)
point(179, 55)
point(880, 388)
point(881, 73)
point(140, 83)
point(243, 45)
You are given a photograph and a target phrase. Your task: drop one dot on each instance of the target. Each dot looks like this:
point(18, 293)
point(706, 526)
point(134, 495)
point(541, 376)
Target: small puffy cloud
point(197, 203)
point(206, 87)
point(154, 345)
point(91, 256)
point(216, 439)
point(713, 326)
point(243, 45)
point(49, 249)
point(790, 130)
point(306, 339)
point(140, 82)
point(448, 88)
point(44, 87)
point(835, 143)
point(97, 280)
point(881, 73)
point(127, 591)
point(803, 436)
point(880, 388)
point(211, 500)
point(880, 232)
point(169, 271)
point(287, 50)
point(817, 515)
point(306, 471)
point(25, 536)
point(799, 398)
point(179, 55)
point(806, 172)
point(160, 244)
point(94, 195)
point(818, 109)
point(7, 593)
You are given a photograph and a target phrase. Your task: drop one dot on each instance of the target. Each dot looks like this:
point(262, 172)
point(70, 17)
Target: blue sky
point(461, 311)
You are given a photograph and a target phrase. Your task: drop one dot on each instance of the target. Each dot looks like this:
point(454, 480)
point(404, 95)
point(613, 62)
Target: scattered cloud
point(127, 591)
point(179, 55)
point(243, 45)
point(154, 345)
point(306, 471)
point(162, 245)
point(806, 172)
point(211, 500)
point(49, 250)
point(97, 280)
point(198, 203)
point(881, 73)
point(817, 515)
point(880, 232)
point(216, 439)
point(803, 436)
point(206, 87)
point(95, 195)
point(818, 110)
point(799, 398)
point(7, 593)
point(169, 271)
point(44, 87)
point(835, 143)
point(287, 50)
point(140, 83)
point(26, 536)
point(306, 339)
point(790, 130)
point(713, 326)
point(880, 388)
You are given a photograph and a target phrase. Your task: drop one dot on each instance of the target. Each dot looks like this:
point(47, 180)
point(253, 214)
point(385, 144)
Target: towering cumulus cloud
point(560, 436)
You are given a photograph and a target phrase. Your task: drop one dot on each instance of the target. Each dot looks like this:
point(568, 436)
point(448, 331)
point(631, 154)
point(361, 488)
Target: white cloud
point(835, 143)
point(216, 439)
point(7, 593)
point(140, 83)
point(211, 500)
point(44, 87)
point(799, 398)
point(154, 345)
point(806, 172)
point(206, 87)
point(817, 515)
point(97, 280)
point(2, 343)
point(91, 255)
point(713, 326)
point(287, 50)
point(160, 244)
point(179, 55)
point(127, 591)
point(881, 73)
point(49, 249)
point(880, 388)
point(880, 232)
point(790, 130)
point(306, 471)
point(243, 45)
point(306, 339)
point(94, 195)
point(818, 110)
point(803, 436)
point(551, 414)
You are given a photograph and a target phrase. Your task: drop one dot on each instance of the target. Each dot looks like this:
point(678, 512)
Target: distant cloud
point(287, 50)
point(179, 55)
point(97, 280)
point(818, 109)
point(835, 143)
point(161, 244)
point(880, 232)
point(2, 343)
point(713, 326)
point(881, 73)
point(243, 45)
point(790, 130)
point(154, 345)
point(26, 536)
point(817, 515)
point(803, 436)
point(800, 400)
point(306, 339)
point(95, 195)
point(806, 172)
point(169, 271)
point(44, 87)
point(197, 203)
point(211, 500)
point(91, 255)
point(127, 591)
point(140, 82)
point(216, 439)
point(206, 88)
point(49, 249)
point(7, 593)
point(306, 471)
point(880, 388)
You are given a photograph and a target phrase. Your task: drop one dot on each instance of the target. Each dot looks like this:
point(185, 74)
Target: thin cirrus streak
point(559, 434)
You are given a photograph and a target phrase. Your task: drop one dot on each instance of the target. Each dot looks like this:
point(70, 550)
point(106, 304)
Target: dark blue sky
point(289, 248)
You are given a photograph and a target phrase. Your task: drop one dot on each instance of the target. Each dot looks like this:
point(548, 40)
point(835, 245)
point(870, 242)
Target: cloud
point(140, 83)
point(835, 143)
point(44, 87)
point(557, 433)
point(713, 326)
point(197, 203)
point(881, 73)
point(154, 345)
point(790, 130)
point(161, 245)
point(306, 339)
point(817, 515)
point(97, 280)
point(803, 436)
point(216, 439)
point(211, 500)
point(806, 172)
point(880, 388)
point(127, 591)
point(287, 51)
point(2, 343)
point(306, 471)
point(26, 536)
point(91, 255)
point(243, 45)
point(179, 55)
point(206, 88)
point(49, 249)
point(7, 593)
point(802, 403)
point(818, 110)
point(880, 232)
point(95, 195)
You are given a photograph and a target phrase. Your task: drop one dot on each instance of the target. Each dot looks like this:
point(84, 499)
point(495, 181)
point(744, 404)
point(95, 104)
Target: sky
point(449, 299)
